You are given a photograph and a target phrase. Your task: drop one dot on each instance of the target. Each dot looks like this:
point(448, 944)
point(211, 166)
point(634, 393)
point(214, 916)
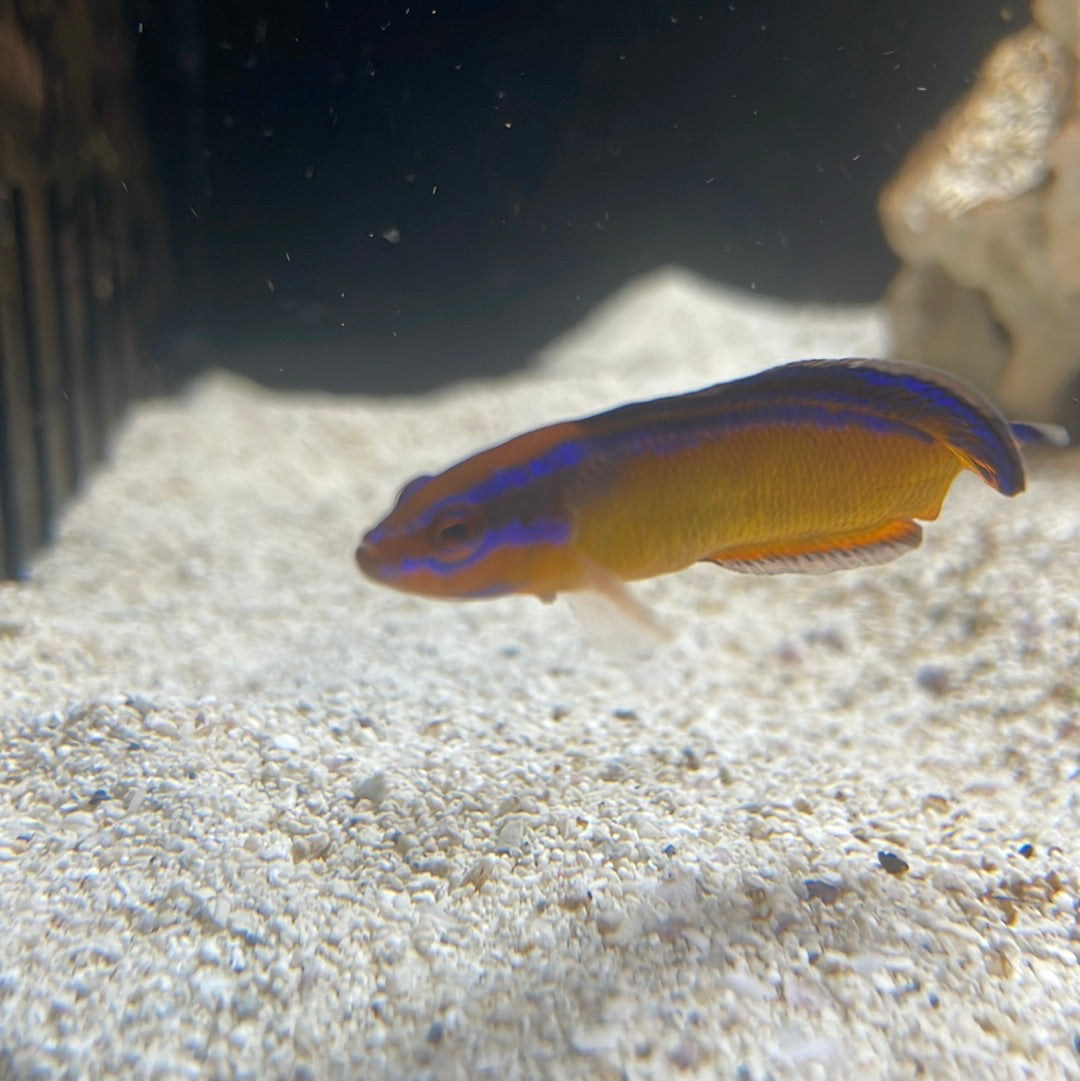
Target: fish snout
point(367, 557)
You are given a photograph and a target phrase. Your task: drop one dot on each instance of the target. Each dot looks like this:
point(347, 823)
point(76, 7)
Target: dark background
point(386, 195)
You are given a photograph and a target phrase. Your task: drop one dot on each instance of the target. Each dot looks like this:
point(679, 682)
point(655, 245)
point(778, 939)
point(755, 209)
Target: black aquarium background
point(385, 196)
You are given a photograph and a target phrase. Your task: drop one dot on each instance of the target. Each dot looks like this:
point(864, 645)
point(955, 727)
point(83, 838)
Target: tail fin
point(1030, 434)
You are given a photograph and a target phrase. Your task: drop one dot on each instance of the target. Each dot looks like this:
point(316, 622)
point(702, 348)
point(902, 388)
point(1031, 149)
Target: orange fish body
point(809, 467)
point(773, 499)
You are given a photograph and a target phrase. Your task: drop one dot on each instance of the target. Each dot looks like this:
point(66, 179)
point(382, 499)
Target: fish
point(808, 467)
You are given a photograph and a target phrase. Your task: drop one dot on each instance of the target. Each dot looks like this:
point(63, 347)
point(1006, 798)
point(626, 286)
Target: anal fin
point(821, 555)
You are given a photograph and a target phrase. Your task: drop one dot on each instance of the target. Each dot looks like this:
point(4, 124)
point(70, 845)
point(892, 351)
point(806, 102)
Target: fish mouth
point(367, 559)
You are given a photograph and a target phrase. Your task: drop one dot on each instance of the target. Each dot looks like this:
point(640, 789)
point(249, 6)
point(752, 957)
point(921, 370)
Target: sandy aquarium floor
point(262, 819)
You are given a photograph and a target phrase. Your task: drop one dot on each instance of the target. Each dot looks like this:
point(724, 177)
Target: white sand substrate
point(260, 818)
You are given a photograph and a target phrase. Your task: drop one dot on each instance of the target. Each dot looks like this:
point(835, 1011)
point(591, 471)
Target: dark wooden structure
point(82, 255)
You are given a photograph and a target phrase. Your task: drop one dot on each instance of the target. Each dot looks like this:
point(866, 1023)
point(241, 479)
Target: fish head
point(491, 525)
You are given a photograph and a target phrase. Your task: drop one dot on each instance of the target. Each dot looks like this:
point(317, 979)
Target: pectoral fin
point(626, 616)
point(820, 555)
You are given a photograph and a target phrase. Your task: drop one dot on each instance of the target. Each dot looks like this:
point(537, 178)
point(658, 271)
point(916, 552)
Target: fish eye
point(455, 527)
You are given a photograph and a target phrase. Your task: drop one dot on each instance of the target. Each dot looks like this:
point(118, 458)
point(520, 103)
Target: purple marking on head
point(564, 456)
point(514, 534)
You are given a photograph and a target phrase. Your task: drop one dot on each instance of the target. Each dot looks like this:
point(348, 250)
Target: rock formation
point(985, 215)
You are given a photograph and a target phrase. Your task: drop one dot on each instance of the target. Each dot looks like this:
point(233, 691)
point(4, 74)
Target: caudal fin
point(1031, 434)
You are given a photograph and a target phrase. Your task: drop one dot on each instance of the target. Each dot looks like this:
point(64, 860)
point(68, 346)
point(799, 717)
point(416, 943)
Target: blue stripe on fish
point(755, 415)
point(977, 430)
point(877, 394)
point(564, 456)
point(550, 531)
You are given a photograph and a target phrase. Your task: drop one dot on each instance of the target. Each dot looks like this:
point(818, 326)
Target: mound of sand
point(262, 819)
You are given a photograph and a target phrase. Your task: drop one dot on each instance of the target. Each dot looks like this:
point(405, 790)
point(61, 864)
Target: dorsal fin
point(886, 392)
